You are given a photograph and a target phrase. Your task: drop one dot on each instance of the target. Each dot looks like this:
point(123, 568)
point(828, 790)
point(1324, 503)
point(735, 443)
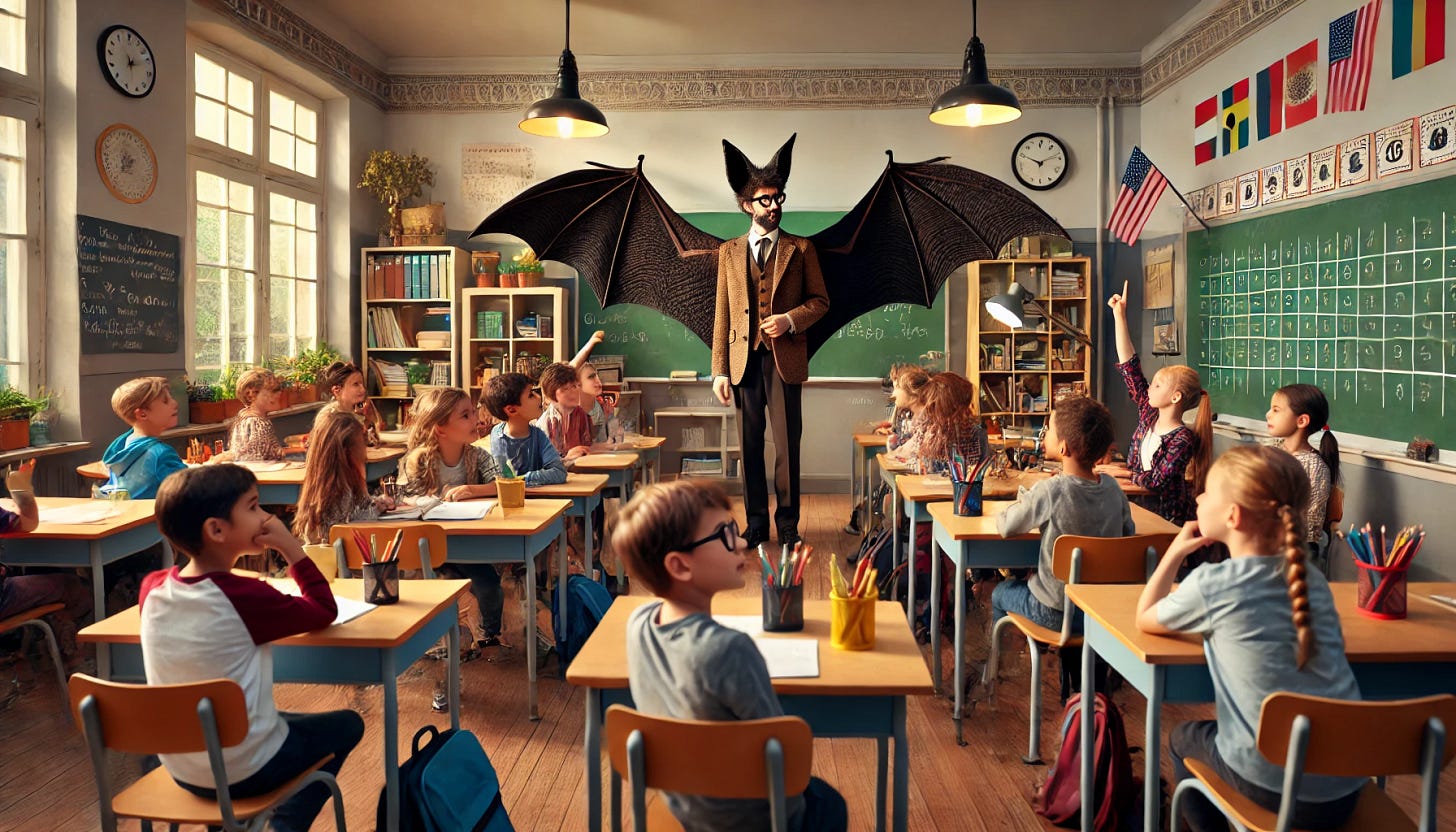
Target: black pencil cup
point(966, 497)
point(783, 608)
point(381, 582)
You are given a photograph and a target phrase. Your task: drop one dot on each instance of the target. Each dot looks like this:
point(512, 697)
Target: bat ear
point(739, 168)
point(783, 159)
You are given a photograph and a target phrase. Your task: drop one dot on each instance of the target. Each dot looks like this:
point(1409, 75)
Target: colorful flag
point(1142, 184)
point(1419, 39)
point(1205, 130)
point(1301, 99)
point(1352, 47)
point(1235, 116)
point(1269, 98)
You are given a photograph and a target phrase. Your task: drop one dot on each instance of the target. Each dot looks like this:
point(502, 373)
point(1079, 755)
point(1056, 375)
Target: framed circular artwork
point(127, 165)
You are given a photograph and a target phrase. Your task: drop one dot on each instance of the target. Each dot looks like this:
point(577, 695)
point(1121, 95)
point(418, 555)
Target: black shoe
point(753, 537)
point(490, 641)
point(440, 701)
point(852, 528)
point(788, 537)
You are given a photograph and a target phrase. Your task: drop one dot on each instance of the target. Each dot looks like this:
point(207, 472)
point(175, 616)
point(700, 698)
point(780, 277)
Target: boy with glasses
point(680, 540)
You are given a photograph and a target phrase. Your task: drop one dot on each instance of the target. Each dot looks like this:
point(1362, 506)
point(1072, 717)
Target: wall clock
point(1040, 161)
point(126, 61)
point(126, 163)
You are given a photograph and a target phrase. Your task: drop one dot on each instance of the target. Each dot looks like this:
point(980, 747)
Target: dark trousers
point(1195, 739)
point(763, 400)
point(310, 736)
point(485, 585)
point(824, 809)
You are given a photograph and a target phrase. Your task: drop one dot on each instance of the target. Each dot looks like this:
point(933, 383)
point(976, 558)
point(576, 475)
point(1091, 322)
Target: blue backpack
point(586, 602)
point(448, 785)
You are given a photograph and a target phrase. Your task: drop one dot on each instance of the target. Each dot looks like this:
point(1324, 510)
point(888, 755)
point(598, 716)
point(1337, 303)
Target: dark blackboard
point(655, 344)
point(129, 288)
point(1357, 296)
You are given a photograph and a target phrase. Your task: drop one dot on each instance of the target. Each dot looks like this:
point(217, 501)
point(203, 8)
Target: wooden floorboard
point(46, 781)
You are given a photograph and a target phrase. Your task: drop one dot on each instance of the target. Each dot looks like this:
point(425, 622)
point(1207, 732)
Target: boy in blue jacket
point(139, 460)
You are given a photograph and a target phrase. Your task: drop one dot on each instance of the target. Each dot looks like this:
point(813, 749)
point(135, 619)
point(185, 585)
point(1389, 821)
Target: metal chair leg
point(1033, 741)
point(993, 664)
point(55, 652)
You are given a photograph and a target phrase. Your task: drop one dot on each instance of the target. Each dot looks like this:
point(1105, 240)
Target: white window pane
point(240, 197)
point(280, 208)
point(207, 317)
point(240, 93)
point(209, 120)
point(280, 250)
point(211, 189)
point(280, 148)
point(307, 216)
point(280, 312)
point(12, 136)
point(280, 111)
point(240, 132)
point(209, 235)
point(307, 126)
point(306, 162)
point(240, 240)
point(12, 198)
point(305, 311)
point(209, 79)
point(240, 298)
point(12, 271)
point(12, 43)
point(306, 244)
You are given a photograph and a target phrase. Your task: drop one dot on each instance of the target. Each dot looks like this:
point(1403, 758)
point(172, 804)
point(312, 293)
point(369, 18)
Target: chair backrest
point(1335, 509)
point(1355, 739)
point(159, 719)
point(433, 537)
point(1108, 560)
point(735, 767)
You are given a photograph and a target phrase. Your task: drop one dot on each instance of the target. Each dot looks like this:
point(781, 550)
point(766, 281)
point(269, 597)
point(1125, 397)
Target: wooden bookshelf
point(486, 342)
point(405, 291)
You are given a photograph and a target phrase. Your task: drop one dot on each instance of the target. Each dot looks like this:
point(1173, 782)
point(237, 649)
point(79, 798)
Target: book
point(433, 508)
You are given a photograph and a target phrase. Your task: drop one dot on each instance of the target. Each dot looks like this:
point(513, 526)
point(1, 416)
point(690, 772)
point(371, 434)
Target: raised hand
point(1118, 303)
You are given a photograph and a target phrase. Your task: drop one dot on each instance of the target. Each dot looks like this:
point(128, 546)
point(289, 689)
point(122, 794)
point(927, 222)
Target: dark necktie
point(763, 246)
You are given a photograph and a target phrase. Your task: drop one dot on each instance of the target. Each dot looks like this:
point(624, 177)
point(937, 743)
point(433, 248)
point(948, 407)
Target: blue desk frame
point(623, 479)
point(286, 494)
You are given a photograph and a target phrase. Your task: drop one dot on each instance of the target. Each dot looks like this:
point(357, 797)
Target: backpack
point(586, 602)
point(1059, 799)
point(448, 785)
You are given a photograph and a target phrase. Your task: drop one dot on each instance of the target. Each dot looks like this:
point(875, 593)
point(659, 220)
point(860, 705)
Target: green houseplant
point(393, 179)
point(203, 404)
point(16, 408)
point(227, 389)
point(44, 402)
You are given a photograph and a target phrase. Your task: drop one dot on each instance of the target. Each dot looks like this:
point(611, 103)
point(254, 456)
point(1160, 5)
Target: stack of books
point(1066, 283)
point(390, 378)
point(489, 324)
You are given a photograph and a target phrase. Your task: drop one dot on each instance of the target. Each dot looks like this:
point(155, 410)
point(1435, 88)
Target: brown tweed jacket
point(798, 291)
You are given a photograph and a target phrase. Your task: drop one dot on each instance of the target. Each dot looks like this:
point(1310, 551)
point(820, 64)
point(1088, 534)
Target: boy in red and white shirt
point(202, 622)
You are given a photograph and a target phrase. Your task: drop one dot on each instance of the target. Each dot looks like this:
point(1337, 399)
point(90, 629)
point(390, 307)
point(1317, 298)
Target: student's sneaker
point(490, 641)
point(440, 702)
point(852, 527)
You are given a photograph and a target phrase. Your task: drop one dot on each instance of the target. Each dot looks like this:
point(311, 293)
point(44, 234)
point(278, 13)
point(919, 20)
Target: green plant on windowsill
point(227, 382)
point(201, 392)
point(15, 404)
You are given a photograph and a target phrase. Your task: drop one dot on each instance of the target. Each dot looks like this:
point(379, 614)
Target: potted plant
point(203, 404)
point(44, 401)
point(393, 179)
point(16, 409)
point(282, 367)
point(227, 389)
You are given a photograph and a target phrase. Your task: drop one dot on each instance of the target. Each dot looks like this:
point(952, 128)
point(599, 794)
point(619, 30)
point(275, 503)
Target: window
point(258, 209)
point(12, 247)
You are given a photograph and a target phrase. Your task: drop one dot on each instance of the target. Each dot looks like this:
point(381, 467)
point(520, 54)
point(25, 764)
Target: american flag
point(1142, 184)
point(1352, 46)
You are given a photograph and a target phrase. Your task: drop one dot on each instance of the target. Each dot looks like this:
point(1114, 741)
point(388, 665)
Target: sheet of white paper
point(790, 658)
point(349, 609)
point(262, 466)
point(79, 514)
point(937, 482)
point(468, 510)
point(750, 624)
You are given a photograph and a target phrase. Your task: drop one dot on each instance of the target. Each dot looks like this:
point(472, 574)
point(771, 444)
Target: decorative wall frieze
point(1227, 25)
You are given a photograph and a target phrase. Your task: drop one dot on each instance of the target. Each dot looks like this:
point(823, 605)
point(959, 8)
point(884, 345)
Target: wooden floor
point(46, 781)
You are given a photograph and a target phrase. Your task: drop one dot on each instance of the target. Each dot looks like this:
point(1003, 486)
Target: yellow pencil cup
point(852, 622)
point(512, 492)
point(322, 555)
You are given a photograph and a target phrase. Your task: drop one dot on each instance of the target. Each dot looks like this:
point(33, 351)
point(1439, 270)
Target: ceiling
point(491, 33)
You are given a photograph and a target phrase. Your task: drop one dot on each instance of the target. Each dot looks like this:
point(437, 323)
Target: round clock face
point(1039, 161)
point(126, 61)
point(126, 163)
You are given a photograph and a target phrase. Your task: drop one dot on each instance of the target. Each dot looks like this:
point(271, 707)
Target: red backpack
point(1059, 799)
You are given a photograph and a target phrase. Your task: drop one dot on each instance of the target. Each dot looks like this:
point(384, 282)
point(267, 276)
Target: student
point(335, 488)
point(202, 622)
point(1077, 501)
point(1295, 412)
point(909, 392)
point(680, 541)
point(601, 410)
point(252, 436)
point(1166, 457)
point(138, 459)
point(343, 383)
point(510, 398)
point(1268, 624)
point(563, 421)
point(19, 593)
point(950, 427)
point(444, 462)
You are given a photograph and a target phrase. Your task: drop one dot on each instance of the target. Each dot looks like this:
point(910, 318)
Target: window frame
point(266, 272)
point(26, 85)
point(32, 332)
point(278, 172)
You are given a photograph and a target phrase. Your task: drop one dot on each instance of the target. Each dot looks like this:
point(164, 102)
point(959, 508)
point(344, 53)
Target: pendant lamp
point(565, 115)
point(975, 101)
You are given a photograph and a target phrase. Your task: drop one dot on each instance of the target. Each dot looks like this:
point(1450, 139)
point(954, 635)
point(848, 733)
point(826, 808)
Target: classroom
point(1115, 267)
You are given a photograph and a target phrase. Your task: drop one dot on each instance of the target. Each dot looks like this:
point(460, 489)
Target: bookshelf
point(496, 331)
point(407, 317)
point(1009, 366)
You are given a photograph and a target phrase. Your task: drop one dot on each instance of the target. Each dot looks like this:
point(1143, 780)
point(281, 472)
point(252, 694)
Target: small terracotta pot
point(202, 413)
point(231, 408)
point(308, 393)
point(14, 434)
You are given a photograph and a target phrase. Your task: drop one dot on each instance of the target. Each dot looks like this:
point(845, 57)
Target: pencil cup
point(852, 622)
point(512, 492)
point(783, 608)
point(1380, 591)
point(966, 497)
point(381, 582)
point(324, 558)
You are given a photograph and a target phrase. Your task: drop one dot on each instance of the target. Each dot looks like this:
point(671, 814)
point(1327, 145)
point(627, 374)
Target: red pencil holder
point(1380, 591)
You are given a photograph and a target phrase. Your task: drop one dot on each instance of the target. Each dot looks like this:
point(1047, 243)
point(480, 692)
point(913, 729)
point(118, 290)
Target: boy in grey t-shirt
point(680, 540)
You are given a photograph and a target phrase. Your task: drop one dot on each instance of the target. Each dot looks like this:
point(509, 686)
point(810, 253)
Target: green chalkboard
point(1357, 296)
point(867, 346)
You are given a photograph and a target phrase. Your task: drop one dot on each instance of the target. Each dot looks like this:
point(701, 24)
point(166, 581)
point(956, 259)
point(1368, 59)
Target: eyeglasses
point(726, 532)
point(770, 199)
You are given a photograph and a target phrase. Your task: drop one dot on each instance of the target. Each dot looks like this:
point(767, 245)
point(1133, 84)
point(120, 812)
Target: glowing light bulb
point(564, 127)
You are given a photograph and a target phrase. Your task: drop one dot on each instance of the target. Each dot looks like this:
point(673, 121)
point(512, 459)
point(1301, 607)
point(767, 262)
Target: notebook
point(433, 508)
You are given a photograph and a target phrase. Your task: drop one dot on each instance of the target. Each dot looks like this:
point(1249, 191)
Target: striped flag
point(1142, 184)
point(1419, 36)
point(1352, 47)
point(1269, 92)
point(1205, 130)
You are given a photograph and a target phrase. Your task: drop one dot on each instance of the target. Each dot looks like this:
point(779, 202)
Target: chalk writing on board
point(128, 288)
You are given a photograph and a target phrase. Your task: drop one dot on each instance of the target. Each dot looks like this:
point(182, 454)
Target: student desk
point(585, 493)
point(917, 492)
point(512, 535)
point(131, 530)
point(856, 694)
point(890, 470)
point(973, 542)
point(862, 451)
point(372, 649)
point(281, 487)
point(618, 467)
point(1391, 659)
point(649, 448)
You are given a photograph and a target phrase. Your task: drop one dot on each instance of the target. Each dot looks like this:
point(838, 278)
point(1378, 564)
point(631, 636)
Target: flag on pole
point(1205, 130)
point(1352, 47)
point(1235, 117)
point(1419, 37)
point(1301, 99)
point(1142, 184)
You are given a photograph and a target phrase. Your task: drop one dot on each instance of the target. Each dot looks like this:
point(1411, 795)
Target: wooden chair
point(34, 617)
point(1334, 513)
point(423, 547)
point(1314, 735)
point(1075, 560)
point(152, 719)
point(753, 759)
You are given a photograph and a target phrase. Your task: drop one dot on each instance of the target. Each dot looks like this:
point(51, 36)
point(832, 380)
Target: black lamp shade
point(975, 101)
point(565, 115)
point(1008, 308)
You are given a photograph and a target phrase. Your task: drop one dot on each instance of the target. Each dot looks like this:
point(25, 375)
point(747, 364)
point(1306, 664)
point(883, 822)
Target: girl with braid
point(1268, 624)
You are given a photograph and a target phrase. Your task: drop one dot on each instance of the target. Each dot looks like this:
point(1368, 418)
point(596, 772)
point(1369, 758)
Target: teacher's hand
point(776, 325)
point(723, 390)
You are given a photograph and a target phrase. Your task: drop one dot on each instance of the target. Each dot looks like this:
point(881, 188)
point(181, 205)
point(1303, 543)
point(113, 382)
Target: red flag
point(1301, 99)
point(1142, 184)
point(1205, 130)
